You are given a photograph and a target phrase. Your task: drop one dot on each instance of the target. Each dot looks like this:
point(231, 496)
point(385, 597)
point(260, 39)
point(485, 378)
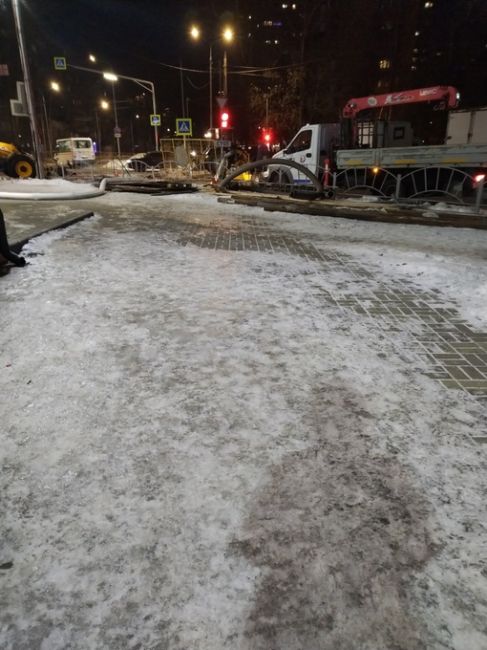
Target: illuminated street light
point(228, 34)
point(104, 104)
point(109, 76)
point(92, 58)
point(195, 32)
point(55, 86)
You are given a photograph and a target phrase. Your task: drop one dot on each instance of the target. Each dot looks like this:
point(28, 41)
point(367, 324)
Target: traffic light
point(224, 119)
point(267, 136)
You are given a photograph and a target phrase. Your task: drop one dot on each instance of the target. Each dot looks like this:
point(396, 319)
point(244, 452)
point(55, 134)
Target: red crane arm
point(434, 94)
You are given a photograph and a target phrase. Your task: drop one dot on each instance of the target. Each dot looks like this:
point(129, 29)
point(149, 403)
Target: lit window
point(413, 67)
point(267, 23)
point(293, 6)
point(268, 42)
point(384, 64)
point(276, 42)
point(428, 5)
point(417, 33)
point(415, 50)
point(439, 53)
point(250, 17)
point(285, 6)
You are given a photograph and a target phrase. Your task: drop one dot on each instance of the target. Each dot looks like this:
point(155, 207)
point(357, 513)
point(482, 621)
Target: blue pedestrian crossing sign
point(184, 126)
point(59, 63)
point(155, 119)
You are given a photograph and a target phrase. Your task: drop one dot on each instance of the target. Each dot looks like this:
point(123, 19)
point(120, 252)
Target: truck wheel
point(21, 166)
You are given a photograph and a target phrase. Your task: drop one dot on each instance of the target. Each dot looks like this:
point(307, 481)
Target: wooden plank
point(389, 214)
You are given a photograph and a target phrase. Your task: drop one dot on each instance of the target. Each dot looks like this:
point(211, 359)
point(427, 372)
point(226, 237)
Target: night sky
point(131, 37)
point(126, 33)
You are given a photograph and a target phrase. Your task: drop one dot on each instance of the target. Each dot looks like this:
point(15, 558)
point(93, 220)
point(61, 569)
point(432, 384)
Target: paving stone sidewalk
point(454, 351)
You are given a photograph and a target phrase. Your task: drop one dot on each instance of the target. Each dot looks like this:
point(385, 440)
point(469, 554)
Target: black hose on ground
point(221, 184)
point(5, 251)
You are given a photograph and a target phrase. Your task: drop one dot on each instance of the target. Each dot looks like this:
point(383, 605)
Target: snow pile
point(36, 185)
point(36, 188)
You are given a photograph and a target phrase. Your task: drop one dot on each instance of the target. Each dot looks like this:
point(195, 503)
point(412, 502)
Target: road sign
point(59, 63)
point(155, 119)
point(184, 126)
point(117, 132)
point(18, 106)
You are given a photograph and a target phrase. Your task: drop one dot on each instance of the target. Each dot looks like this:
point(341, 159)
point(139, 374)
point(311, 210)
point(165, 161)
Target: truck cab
point(312, 146)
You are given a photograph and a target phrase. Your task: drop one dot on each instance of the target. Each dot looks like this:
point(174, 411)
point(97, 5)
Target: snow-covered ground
point(199, 452)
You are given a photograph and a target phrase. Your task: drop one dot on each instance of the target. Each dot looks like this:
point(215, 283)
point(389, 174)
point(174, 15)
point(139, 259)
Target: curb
point(17, 246)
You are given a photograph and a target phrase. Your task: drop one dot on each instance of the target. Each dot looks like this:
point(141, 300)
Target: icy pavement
point(229, 430)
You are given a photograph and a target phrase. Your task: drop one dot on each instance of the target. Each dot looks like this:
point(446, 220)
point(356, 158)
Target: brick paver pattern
point(454, 352)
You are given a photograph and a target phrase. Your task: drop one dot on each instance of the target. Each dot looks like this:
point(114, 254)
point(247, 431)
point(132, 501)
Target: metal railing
point(424, 184)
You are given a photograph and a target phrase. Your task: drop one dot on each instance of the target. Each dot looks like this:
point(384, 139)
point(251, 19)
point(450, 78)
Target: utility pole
point(36, 141)
point(182, 87)
point(48, 138)
point(116, 130)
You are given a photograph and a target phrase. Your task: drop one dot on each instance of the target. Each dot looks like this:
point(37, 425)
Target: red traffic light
point(267, 136)
point(224, 119)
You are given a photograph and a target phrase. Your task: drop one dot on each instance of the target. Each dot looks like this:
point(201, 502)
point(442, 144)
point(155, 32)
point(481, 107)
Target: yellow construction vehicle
point(15, 163)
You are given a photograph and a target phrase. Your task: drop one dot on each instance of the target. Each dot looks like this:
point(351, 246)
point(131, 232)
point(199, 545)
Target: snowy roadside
point(200, 452)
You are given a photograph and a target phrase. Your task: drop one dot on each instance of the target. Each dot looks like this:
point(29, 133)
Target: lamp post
point(144, 83)
point(104, 105)
point(54, 86)
point(109, 76)
point(227, 36)
point(28, 89)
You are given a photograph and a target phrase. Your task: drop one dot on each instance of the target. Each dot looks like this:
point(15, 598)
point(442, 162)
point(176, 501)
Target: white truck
point(385, 148)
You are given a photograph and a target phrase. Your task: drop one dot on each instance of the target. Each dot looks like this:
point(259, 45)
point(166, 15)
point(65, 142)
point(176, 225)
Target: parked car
point(142, 162)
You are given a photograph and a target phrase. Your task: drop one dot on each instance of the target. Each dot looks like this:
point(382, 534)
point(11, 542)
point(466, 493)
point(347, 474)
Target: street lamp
point(227, 36)
point(104, 105)
point(195, 32)
point(144, 83)
point(92, 58)
point(55, 87)
point(109, 76)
